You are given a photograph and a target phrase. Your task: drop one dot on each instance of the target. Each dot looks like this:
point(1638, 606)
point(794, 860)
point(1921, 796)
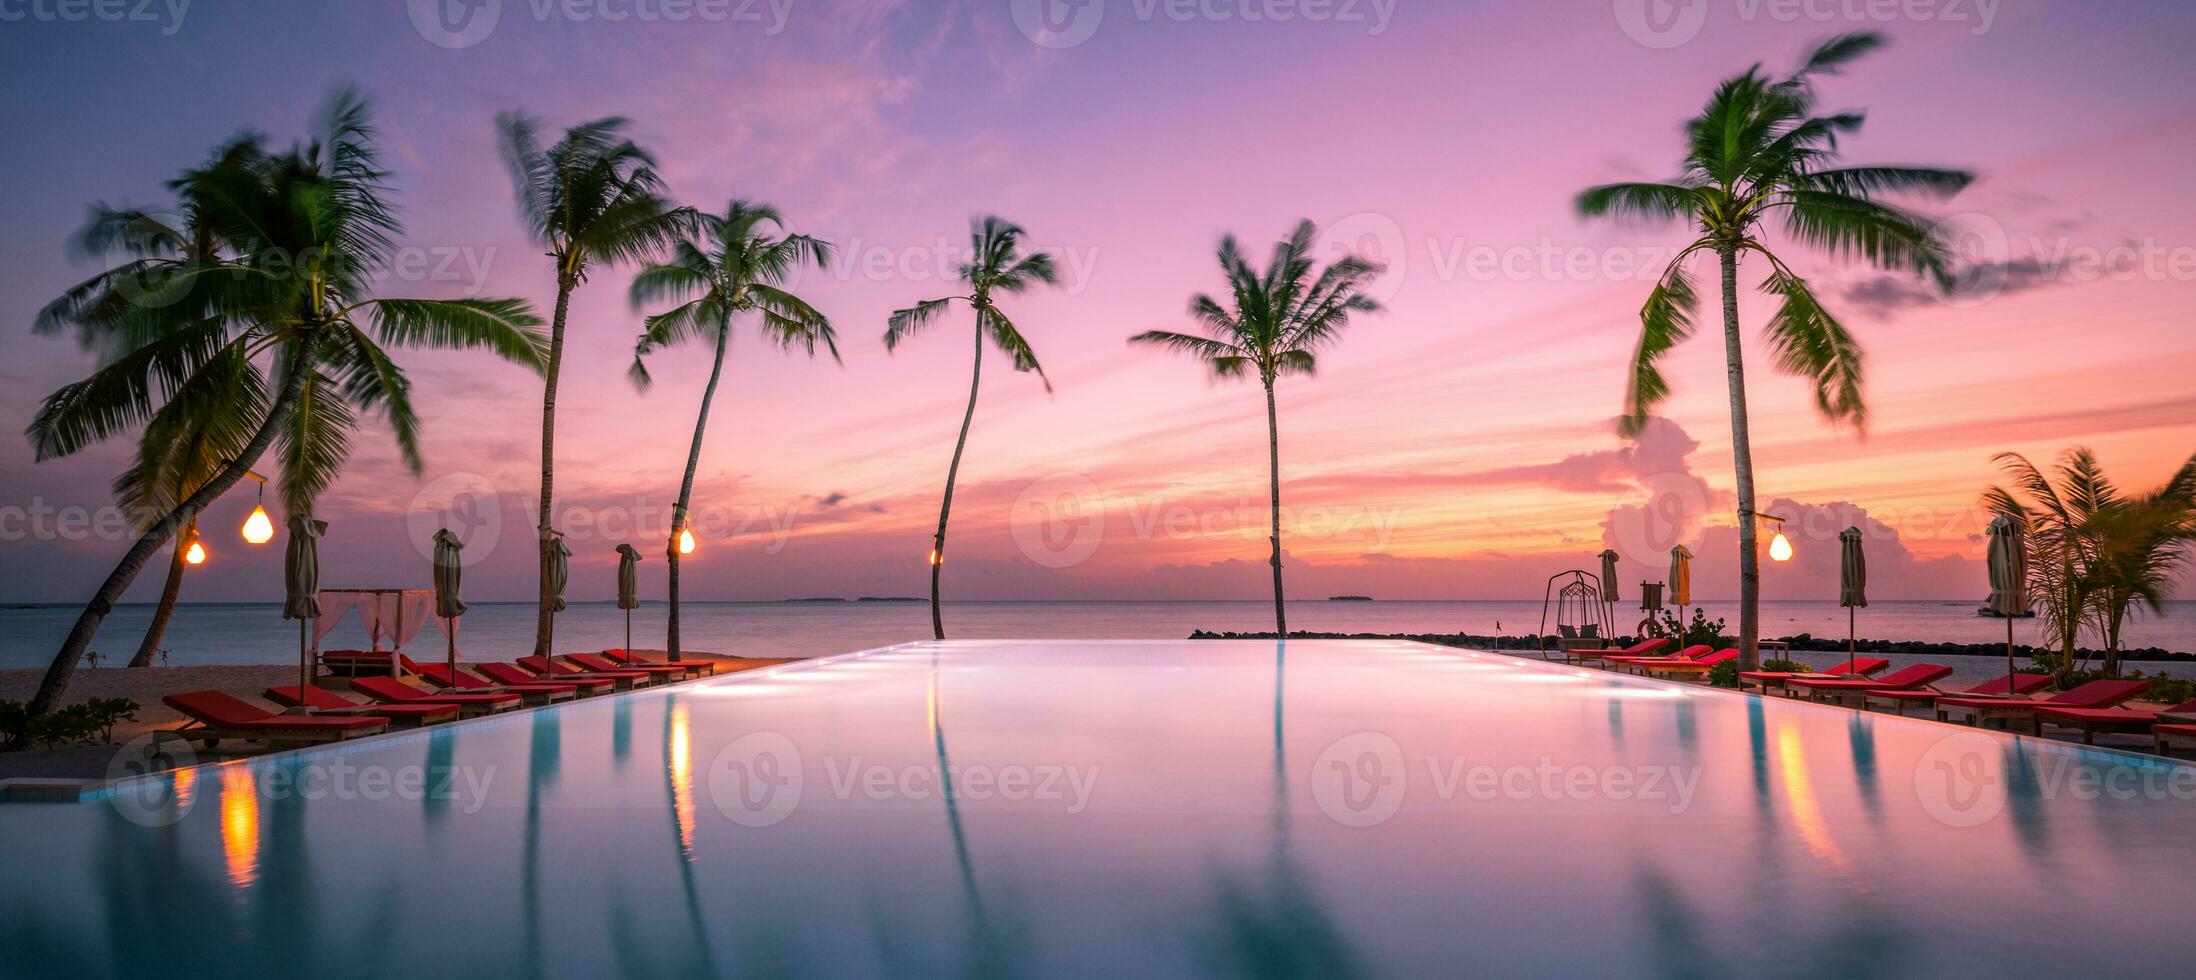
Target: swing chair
point(1581, 616)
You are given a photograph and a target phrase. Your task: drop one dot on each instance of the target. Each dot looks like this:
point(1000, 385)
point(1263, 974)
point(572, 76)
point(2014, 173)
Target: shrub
point(1725, 674)
point(76, 724)
point(1786, 667)
point(1702, 631)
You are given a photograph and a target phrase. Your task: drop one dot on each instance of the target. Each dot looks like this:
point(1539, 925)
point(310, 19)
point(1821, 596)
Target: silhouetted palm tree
point(996, 268)
point(1758, 151)
point(1275, 324)
point(305, 232)
point(592, 198)
point(736, 266)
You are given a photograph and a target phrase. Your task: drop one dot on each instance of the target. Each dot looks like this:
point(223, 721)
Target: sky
point(1459, 444)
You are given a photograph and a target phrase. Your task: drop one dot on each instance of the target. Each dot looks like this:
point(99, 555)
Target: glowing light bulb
point(686, 541)
point(1780, 548)
point(259, 528)
point(195, 554)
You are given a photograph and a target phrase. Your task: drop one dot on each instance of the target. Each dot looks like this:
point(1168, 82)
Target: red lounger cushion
point(596, 663)
point(2109, 714)
point(439, 673)
point(544, 665)
point(2095, 694)
point(632, 660)
point(1707, 661)
point(1686, 655)
point(218, 710)
point(322, 699)
point(2022, 684)
point(2173, 730)
point(1906, 678)
point(1640, 649)
point(398, 692)
point(511, 675)
point(1858, 665)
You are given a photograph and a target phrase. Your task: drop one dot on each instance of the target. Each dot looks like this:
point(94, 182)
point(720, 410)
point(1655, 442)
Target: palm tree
point(1757, 150)
point(997, 267)
point(187, 441)
point(305, 232)
point(1275, 324)
point(739, 265)
point(2062, 546)
point(592, 198)
point(2098, 554)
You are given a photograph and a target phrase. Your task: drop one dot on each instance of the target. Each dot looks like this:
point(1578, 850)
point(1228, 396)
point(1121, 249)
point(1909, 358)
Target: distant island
point(821, 598)
point(890, 598)
point(1349, 598)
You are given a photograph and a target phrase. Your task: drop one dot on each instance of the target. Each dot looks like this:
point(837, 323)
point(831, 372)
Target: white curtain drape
point(391, 618)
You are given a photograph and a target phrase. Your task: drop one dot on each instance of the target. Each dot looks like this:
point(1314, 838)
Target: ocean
point(255, 633)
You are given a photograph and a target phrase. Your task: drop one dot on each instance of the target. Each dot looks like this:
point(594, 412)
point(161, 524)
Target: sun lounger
point(626, 658)
point(2172, 734)
point(2095, 694)
point(215, 716)
point(393, 691)
point(2090, 721)
point(1858, 666)
point(321, 701)
point(1641, 649)
point(600, 665)
point(626, 680)
point(2022, 685)
point(1853, 690)
point(1696, 667)
point(535, 691)
point(510, 675)
point(1626, 661)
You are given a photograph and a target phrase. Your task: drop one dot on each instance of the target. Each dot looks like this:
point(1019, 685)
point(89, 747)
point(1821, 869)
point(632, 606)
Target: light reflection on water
point(1213, 838)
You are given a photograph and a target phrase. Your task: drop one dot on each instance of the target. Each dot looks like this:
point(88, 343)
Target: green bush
point(2164, 687)
point(1702, 631)
point(76, 724)
point(1786, 667)
point(1725, 674)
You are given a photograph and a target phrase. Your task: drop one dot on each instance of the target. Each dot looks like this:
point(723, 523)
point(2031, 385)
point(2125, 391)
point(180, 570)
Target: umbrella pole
point(452, 632)
point(629, 632)
point(1852, 635)
point(303, 672)
point(2009, 658)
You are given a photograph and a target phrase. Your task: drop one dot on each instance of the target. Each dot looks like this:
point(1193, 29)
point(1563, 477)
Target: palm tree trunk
point(945, 509)
point(1742, 456)
point(102, 602)
point(159, 628)
point(686, 489)
point(545, 616)
point(1273, 471)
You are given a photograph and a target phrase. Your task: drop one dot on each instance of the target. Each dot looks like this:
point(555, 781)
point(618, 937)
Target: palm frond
point(1812, 344)
point(1665, 321)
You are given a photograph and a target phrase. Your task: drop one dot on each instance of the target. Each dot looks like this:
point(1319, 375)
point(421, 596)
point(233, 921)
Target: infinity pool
point(1320, 808)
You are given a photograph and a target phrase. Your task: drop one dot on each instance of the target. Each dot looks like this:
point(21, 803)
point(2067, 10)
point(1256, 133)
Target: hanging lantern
point(1780, 548)
point(259, 528)
point(686, 541)
point(195, 554)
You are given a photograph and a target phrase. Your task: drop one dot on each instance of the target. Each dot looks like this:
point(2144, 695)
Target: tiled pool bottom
point(1322, 808)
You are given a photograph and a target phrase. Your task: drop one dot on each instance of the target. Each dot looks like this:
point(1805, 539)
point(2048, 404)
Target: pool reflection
point(939, 830)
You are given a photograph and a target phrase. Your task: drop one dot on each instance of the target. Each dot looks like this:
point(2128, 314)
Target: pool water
point(1319, 808)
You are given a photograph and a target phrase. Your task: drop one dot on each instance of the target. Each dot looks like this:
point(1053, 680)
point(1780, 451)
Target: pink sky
point(1458, 446)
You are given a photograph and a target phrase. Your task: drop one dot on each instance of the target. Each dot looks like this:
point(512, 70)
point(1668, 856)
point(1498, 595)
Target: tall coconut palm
point(996, 268)
point(738, 264)
point(1275, 323)
point(1757, 151)
point(592, 199)
point(188, 440)
point(289, 300)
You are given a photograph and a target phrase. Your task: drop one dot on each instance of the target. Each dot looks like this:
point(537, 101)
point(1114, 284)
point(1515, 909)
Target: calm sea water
point(256, 633)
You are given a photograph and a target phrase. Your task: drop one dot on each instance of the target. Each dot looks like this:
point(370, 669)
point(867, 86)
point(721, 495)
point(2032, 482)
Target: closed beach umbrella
point(1852, 582)
point(301, 584)
point(1608, 586)
point(2008, 579)
point(560, 569)
point(449, 568)
point(628, 587)
point(1681, 581)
